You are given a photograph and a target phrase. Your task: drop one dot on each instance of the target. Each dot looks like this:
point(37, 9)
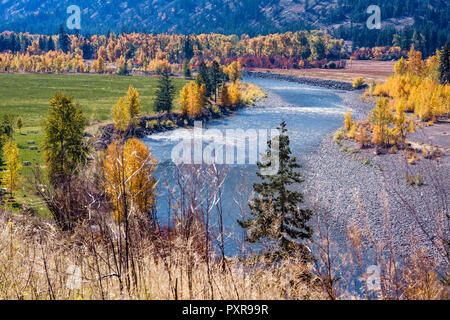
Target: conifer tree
point(50, 44)
point(19, 123)
point(205, 77)
point(186, 69)
point(64, 143)
point(164, 93)
point(216, 78)
point(444, 64)
point(276, 215)
point(63, 40)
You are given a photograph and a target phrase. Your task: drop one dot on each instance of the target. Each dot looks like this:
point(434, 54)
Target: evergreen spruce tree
point(188, 49)
point(216, 78)
point(63, 40)
point(444, 64)
point(186, 69)
point(50, 44)
point(275, 212)
point(164, 93)
point(64, 142)
point(204, 72)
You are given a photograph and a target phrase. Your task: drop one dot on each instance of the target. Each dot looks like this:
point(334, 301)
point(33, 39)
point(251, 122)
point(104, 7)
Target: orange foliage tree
point(128, 171)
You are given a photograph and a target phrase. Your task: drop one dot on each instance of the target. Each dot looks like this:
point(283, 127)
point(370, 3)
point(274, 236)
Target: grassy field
point(28, 95)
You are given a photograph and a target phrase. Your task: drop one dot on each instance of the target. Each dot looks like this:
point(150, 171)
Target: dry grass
point(37, 262)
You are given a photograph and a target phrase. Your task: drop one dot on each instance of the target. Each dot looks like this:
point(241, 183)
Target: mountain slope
point(340, 17)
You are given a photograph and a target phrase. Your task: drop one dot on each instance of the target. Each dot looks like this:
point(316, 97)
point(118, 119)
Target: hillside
point(252, 17)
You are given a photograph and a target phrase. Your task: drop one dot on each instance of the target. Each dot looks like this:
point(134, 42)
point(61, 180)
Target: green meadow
point(28, 95)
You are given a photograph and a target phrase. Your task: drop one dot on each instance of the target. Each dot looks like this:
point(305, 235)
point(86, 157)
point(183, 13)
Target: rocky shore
point(160, 123)
point(371, 190)
point(308, 81)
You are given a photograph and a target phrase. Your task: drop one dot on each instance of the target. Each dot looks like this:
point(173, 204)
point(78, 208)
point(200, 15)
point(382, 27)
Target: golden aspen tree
point(402, 124)
point(233, 71)
point(224, 97)
point(381, 118)
point(400, 67)
point(192, 99)
point(10, 178)
point(184, 100)
point(130, 183)
point(377, 136)
point(133, 103)
point(362, 137)
point(348, 120)
point(234, 93)
point(415, 63)
point(352, 132)
point(121, 117)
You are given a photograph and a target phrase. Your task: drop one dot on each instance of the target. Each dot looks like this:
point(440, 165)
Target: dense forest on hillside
point(40, 53)
point(425, 21)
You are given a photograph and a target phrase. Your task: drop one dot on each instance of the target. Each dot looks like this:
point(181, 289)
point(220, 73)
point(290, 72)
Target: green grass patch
point(28, 96)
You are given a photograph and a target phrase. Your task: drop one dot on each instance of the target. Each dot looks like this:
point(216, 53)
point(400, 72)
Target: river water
point(309, 112)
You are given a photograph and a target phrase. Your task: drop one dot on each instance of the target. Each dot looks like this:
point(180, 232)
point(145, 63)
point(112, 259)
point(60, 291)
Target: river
point(309, 112)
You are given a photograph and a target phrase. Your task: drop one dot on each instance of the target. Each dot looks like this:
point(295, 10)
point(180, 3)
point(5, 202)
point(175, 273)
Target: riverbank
point(356, 186)
point(331, 84)
point(349, 185)
point(371, 70)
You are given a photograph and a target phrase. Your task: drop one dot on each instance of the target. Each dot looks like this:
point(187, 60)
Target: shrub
point(414, 180)
point(151, 124)
point(358, 82)
point(338, 136)
point(352, 132)
point(348, 120)
point(216, 110)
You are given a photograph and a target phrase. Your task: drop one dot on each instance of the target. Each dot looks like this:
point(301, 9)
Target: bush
point(415, 180)
point(151, 124)
point(216, 110)
point(338, 136)
point(169, 124)
point(358, 82)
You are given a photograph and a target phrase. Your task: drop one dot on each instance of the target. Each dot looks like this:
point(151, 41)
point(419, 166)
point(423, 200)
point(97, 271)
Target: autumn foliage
point(128, 171)
point(192, 99)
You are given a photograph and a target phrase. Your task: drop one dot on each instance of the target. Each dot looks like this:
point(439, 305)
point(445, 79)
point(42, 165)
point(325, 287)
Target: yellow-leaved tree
point(403, 124)
point(348, 120)
point(400, 67)
point(130, 183)
point(10, 178)
point(134, 107)
point(234, 93)
point(224, 97)
point(121, 117)
point(381, 117)
point(192, 99)
point(233, 71)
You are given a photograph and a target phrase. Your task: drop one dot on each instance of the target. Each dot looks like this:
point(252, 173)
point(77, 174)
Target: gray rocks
point(309, 81)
